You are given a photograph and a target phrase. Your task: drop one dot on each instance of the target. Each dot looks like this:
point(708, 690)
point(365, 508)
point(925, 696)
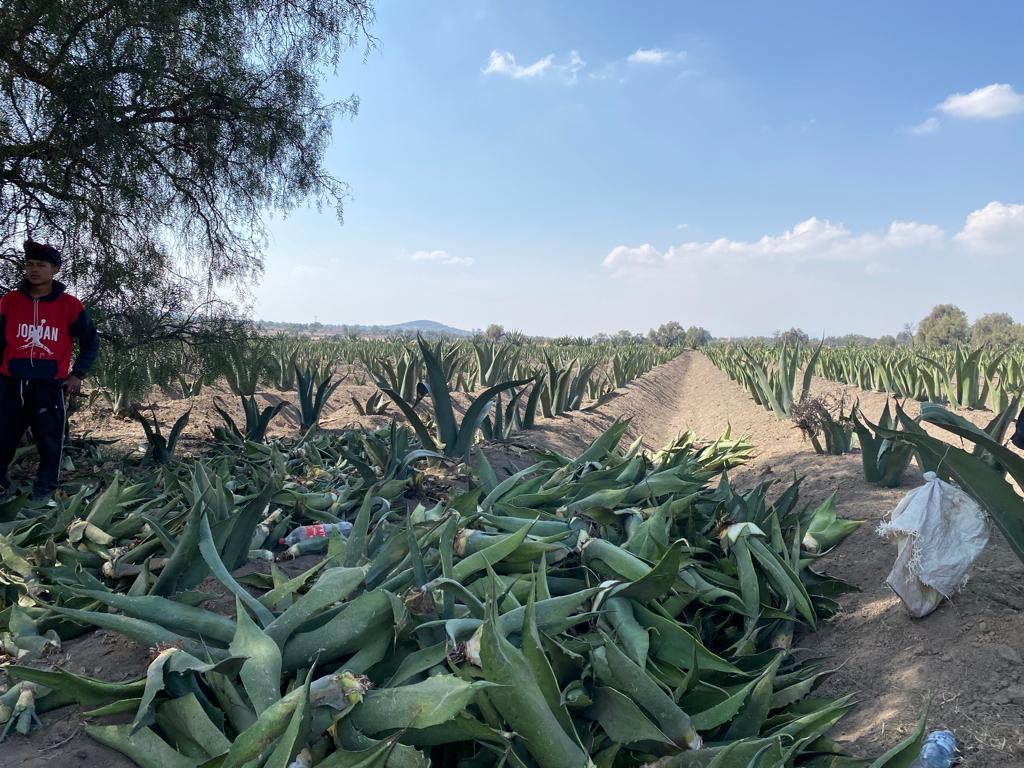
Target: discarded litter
point(939, 532)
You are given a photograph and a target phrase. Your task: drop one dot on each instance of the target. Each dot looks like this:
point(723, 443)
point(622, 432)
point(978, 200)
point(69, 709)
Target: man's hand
point(72, 386)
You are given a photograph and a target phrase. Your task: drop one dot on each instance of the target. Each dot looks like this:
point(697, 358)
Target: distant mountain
point(426, 327)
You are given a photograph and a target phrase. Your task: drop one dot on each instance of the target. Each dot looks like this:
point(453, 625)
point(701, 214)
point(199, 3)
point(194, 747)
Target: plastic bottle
point(937, 751)
point(318, 531)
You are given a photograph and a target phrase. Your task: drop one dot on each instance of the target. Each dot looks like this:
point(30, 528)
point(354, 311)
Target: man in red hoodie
point(38, 321)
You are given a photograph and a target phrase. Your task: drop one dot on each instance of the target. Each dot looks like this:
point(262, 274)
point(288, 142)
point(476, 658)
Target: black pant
point(39, 405)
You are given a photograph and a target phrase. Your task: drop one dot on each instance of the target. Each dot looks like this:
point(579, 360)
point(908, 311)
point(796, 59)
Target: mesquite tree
point(148, 138)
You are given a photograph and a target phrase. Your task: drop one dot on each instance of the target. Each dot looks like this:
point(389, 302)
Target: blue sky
point(568, 167)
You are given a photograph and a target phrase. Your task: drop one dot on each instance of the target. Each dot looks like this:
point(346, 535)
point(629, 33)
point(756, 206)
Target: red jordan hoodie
point(36, 335)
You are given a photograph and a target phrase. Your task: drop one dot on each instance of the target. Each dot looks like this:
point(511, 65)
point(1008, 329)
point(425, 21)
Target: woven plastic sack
point(939, 532)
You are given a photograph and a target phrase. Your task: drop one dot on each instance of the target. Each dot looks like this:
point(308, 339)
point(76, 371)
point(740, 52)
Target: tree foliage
point(906, 336)
point(494, 332)
point(148, 138)
point(672, 334)
point(945, 324)
point(697, 337)
point(792, 337)
point(625, 338)
point(997, 329)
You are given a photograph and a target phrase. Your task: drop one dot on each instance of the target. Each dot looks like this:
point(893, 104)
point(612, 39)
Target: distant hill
point(426, 327)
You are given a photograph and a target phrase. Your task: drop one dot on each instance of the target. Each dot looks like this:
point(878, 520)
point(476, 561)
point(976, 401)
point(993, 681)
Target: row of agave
point(957, 375)
point(431, 372)
point(982, 377)
point(885, 457)
point(970, 378)
point(252, 363)
point(554, 391)
point(769, 374)
point(612, 609)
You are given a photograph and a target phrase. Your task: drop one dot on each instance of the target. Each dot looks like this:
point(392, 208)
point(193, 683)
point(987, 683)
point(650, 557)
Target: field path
point(966, 656)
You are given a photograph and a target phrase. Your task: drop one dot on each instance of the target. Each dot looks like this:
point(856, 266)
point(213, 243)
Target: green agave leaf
point(296, 734)
point(825, 529)
point(143, 747)
point(521, 701)
point(623, 720)
point(67, 687)
point(188, 726)
point(421, 705)
point(750, 719)
point(261, 672)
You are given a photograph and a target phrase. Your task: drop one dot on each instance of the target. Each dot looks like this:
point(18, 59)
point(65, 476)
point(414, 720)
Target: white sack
point(939, 532)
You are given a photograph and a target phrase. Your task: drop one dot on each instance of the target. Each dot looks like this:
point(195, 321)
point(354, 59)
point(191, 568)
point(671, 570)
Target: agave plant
point(281, 364)
point(769, 375)
point(257, 421)
point(506, 419)
point(314, 391)
point(400, 375)
point(555, 397)
point(243, 366)
point(496, 362)
point(161, 449)
point(824, 417)
point(884, 460)
point(451, 437)
point(124, 379)
point(375, 405)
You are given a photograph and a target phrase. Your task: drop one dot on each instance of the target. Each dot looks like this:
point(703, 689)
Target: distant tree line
point(945, 324)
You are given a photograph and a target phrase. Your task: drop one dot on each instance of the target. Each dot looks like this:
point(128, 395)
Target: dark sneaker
point(39, 497)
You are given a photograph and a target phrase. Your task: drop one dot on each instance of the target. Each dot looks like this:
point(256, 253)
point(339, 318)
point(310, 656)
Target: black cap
point(42, 252)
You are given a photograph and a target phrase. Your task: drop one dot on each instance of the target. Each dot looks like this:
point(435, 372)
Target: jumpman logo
point(35, 339)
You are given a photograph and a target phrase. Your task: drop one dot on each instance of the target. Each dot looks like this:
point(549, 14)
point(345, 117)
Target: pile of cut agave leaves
point(615, 609)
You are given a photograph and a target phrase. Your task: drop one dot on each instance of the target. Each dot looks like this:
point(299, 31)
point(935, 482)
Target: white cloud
point(992, 101)
point(930, 125)
point(997, 228)
point(909, 234)
point(441, 257)
point(645, 255)
point(504, 63)
point(813, 239)
point(655, 56)
point(575, 65)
